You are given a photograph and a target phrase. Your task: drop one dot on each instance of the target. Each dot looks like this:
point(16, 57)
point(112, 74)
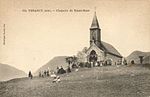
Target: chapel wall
point(115, 60)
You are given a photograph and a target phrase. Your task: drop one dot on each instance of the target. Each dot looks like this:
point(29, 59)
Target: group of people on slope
point(44, 73)
point(52, 74)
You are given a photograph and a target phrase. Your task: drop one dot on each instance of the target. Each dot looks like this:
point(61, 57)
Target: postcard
point(74, 48)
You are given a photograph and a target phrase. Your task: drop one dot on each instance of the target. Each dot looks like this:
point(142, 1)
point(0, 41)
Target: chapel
point(99, 51)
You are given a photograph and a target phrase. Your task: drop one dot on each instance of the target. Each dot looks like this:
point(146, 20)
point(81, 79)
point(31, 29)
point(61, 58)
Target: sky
point(34, 38)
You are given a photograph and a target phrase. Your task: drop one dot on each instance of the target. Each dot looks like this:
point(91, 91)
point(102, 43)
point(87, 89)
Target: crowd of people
point(52, 74)
point(44, 73)
point(61, 70)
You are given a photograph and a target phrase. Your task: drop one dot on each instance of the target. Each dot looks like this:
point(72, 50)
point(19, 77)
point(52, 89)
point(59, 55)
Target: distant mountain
point(52, 64)
point(135, 56)
point(8, 72)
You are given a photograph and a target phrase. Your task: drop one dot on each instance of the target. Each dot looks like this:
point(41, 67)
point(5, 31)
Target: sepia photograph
point(74, 48)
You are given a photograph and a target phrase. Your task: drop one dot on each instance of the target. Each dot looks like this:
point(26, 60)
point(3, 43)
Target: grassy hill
point(135, 56)
point(8, 72)
point(52, 64)
point(111, 81)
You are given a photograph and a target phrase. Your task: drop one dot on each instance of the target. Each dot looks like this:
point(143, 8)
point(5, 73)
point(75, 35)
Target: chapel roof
point(110, 49)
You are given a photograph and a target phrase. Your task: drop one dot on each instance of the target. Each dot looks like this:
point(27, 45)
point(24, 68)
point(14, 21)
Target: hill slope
point(135, 56)
point(8, 72)
point(111, 81)
point(52, 64)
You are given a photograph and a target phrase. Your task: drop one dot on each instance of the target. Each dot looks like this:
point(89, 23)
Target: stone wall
point(115, 59)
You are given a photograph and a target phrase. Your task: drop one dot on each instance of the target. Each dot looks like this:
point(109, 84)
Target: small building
point(146, 60)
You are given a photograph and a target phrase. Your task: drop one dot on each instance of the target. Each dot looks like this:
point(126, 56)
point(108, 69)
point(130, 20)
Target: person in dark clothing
point(68, 69)
point(30, 75)
point(47, 73)
point(57, 70)
point(40, 75)
point(61, 71)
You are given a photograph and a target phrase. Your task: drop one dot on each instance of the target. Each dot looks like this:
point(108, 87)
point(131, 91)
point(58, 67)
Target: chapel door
point(93, 56)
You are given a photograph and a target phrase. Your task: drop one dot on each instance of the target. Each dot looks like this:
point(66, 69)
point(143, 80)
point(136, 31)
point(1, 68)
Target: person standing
point(30, 75)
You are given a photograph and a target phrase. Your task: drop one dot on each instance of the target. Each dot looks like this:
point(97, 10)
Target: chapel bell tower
point(95, 32)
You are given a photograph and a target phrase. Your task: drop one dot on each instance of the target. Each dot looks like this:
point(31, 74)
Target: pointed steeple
point(95, 31)
point(94, 22)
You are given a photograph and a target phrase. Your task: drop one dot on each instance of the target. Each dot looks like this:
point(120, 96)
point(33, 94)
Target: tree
point(84, 49)
point(71, 60)
point(81, 56)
